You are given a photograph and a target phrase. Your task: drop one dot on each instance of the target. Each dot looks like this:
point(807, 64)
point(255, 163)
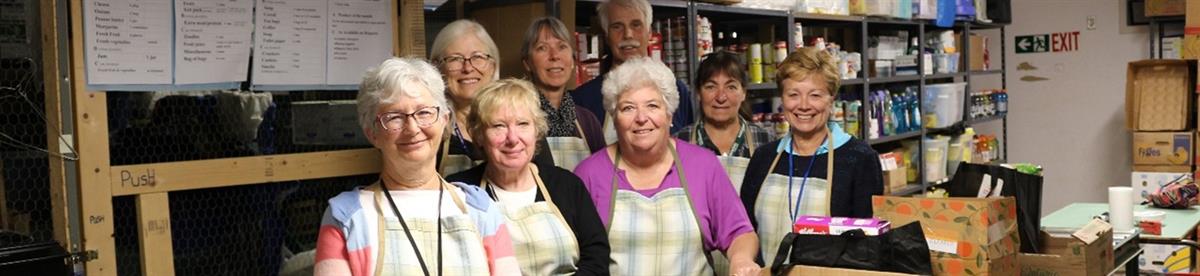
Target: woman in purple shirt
point(664, 214)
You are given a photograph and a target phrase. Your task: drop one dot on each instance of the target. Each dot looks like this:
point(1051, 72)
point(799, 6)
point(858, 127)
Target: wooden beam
point(91, 140)
point(412, 28)
point(59, 212)
point(396, 49)
point(154, 234)
point(213, 173)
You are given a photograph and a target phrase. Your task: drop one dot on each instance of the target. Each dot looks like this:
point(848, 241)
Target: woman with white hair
point(644, 191)
point(548, 55)
point(468, 59)
point(410, 221)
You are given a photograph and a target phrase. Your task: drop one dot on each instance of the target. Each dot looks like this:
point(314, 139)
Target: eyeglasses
point(394, 121)
point(478, 61)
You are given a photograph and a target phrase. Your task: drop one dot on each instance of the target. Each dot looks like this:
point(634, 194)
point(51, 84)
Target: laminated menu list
point(128, 41)
point(360, 37)
point(290, 42)
point(212, 40)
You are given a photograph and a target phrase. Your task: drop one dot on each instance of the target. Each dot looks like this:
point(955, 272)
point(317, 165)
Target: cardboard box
point(830, 271)
point(822, 225)
point(1068, 255)
point(966, 236)
point(1165, 258)
point(1191, 33)
point(327, 123)
point(1165, 7)
point(1163, 148)
point(1144, 183)
point(895, 179)
point(979, 52)
point(1158, 95)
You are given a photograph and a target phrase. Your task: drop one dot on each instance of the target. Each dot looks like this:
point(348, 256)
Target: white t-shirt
point(419, 203)
point(516, 199)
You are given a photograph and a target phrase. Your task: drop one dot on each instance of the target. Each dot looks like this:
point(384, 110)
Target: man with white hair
point(626, 25)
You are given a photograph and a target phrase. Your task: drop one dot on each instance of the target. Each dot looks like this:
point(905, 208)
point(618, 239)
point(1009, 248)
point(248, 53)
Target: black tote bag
point(1026, 188)
point(901, 250)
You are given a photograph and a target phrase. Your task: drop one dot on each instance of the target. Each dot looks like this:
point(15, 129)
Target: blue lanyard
point(462, 142)
point(791, 169)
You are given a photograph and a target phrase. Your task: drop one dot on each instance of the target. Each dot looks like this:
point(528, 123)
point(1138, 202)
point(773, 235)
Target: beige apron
point(773, 211)
point(542, 241)
point(568, 151)
point(610, 131)
point(454, 163)
point(462, 244)
point(735, 166)
point(659, 235)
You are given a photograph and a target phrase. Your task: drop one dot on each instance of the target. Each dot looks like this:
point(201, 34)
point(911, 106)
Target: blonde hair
point(806, 63)
point(506, 93)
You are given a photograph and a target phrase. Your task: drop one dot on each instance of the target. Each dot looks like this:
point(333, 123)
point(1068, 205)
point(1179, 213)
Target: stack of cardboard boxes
point(1160, 106)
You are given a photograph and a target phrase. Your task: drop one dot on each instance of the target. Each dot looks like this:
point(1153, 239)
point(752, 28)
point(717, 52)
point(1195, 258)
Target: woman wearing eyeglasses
point(411, 221)
point(468, 59)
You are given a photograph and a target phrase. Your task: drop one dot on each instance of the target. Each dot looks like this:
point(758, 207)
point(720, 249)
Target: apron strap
point(581, 135)
point(445, 153)
point(546, 195)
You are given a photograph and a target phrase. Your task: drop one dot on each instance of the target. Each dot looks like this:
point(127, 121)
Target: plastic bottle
point(1002, 102)
point(853, 117)
point(898, 112)
point(839, 114)
point(915, 109)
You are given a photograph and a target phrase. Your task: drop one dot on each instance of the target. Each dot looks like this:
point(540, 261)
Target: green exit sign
point(1033, 43)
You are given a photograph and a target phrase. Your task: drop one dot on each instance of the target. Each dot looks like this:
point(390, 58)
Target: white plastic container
point(942, 104)
point(936, 149)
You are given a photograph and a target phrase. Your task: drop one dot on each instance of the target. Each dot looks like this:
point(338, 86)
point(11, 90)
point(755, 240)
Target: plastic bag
point(1026, 188)
point(1179, 194)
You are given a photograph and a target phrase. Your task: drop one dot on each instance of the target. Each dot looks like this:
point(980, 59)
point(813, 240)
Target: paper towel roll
point(1120, 208)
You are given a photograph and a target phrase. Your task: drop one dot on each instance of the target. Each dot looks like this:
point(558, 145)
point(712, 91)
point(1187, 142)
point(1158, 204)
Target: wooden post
point(154, 234)
point(50, 77)
point(411, 25)
point(91, 140)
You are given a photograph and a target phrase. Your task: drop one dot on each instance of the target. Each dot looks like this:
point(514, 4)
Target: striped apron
point(454, 163)
point(542, 240)
point(460, 241)
point(656, 236)
point(772, 210)
point(568, 151)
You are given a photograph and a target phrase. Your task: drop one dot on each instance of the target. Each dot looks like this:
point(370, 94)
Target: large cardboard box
point(1163, 148)
point(1159, 94)
point(895, 179)
point(1144, 183)
point(979, 52)
point(1165, 7)
point(1067, 255)
point(966, 236)
point(1165, 258)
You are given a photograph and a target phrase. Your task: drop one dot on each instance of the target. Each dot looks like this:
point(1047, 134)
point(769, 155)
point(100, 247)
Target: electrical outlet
point(1091, 22)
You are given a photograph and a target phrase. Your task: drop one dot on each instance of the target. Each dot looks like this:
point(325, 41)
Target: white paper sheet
point(212, 40)
point(127, 41)
point(290, 42)
point(360, 37)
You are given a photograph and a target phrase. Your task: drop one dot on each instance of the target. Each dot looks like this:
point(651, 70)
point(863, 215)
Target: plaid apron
point(734, 166)
point(773, 212)
point(610, 131)
point(568, 151)
point(542, 240)
point(461, 242)
point(656, 236)
point(454, 163)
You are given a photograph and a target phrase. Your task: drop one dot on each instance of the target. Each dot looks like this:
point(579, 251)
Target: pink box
point(821, 225)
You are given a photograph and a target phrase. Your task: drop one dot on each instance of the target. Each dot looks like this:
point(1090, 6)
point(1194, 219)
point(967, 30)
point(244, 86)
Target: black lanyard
point(413, 242)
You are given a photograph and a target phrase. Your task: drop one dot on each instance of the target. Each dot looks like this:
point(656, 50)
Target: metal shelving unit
point(864, 25)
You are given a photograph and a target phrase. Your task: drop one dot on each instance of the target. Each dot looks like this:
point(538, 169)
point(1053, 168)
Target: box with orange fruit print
point(966, 236)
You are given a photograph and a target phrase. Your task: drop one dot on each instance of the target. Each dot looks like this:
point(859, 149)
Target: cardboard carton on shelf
point(1065, 254)
point(1159, 94)
point(966, 236)
point(1165, 7)
point(1164, 148)
point(1191, 33)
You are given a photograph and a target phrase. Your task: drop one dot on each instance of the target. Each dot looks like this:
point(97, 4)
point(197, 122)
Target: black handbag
point(900, 250)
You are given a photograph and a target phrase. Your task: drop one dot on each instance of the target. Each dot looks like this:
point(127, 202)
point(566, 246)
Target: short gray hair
point(637, 5)
point(557, 29)
point(381, 84)
point(638, 73)
point(457, 29)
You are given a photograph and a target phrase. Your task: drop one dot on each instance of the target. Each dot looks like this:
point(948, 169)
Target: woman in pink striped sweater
point(411, 221)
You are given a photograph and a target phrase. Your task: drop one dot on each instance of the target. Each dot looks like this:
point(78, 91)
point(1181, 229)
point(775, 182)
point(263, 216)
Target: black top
point(575, 203)
point(857, 176)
